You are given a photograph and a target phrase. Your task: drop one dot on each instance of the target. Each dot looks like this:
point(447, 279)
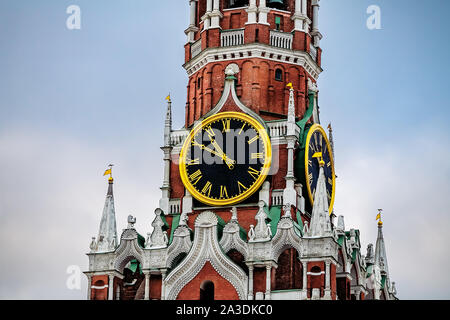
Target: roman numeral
point(241, 186)
point(226, 125)
point(254, 173)
point(210, 132)
point(330, 181)
point(329, 195)
point(310, 163)
point(257, 155)
point(329, 164)
point(194, 162)
point(253, 140)
point(223, 192)
point(195, 177)
point(242, 129)
point(312, 147)
point(207, 189)
point(310, 177)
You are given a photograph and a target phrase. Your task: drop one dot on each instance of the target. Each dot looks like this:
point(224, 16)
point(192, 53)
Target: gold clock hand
point(230, 163)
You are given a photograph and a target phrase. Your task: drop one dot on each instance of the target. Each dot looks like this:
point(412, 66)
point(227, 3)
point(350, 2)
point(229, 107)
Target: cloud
point(410, 181)
point(51, 199)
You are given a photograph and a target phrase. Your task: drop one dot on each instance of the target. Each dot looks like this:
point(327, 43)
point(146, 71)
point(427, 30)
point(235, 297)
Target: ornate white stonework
point(206, 248)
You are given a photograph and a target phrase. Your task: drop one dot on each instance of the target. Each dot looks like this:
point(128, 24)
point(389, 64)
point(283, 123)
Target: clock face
point(317, 141)
point(225, 159)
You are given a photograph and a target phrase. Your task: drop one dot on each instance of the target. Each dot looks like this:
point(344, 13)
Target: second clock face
point(225, 159)
point(317, 142)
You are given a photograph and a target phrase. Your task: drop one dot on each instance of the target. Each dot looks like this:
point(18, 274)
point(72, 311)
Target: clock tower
point(246, 208)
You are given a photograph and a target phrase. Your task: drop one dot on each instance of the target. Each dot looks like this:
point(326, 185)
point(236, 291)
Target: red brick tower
point(273, 43)
point(253, 62)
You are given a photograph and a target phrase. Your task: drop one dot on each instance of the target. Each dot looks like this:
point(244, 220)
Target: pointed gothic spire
point(330, 137)
point(291, 106)
point(107, 235)
point(380, 250)
point(320, 219)
point(168, 122)
point(262, 232)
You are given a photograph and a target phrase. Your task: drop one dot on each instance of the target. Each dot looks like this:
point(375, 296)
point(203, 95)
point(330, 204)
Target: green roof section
point(341, 240)
point(175, 224)
point(274, 215)
point(298, 226)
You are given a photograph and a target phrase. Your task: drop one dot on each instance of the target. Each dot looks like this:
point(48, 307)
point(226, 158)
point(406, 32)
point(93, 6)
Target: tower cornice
point(256, 50)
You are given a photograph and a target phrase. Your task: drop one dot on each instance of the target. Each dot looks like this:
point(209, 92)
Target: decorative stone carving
point(206, 248)
point(159, 238)
point(231, 238)
point(181, 244)
point(261, 231)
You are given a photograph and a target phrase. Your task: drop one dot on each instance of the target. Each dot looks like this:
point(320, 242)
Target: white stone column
point(147, 286)
point(192, 29)
point(263, 11)
point(304, 9)
point(193, 7)
point(268, 281)
point(118, 293)
point(207, 17)
point(164, 201)
point(252, 12)
point(215, 15)
point(163, 287)
point(111, 287)
point(250, 282)
point(315, 24)
point(300, 17)
point(327, 295)
point(305, 276)
point(89, 287)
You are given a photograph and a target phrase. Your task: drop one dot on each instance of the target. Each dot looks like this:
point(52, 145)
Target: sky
point(73, 101)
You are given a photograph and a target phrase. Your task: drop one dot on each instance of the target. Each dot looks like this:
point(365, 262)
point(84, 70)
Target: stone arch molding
point(128, 250)
point(206, 248)
point(231, 239)
point(181, 244)
point(286, 238)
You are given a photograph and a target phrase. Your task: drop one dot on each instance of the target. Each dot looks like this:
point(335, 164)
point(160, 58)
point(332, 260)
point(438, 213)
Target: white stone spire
point(262, 231)
point(107, 235)
point(289, 193)
point(164, 201)
point(320, 219)
point(380, 251)
point(168, 123)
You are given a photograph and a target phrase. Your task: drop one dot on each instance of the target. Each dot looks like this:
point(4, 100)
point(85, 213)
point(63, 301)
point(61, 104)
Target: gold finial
point(290, 86)
point(109, 171)
point(380, 223)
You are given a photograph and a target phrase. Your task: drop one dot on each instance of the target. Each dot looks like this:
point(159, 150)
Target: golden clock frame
point(312, 130)
point(265, 170)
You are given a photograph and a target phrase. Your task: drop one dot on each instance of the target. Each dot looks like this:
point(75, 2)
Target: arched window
point(315, 270)
point(207, 291)
point(289, 274)
point(277, 4)
point(237, 3)
point(279, 75)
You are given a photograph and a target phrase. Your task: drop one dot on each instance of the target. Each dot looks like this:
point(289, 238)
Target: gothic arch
point(206, 248)
point(128, 250)
point(286, 238)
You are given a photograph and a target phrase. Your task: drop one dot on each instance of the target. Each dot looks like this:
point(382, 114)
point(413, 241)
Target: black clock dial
point(225, 159)
point(318, 149)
